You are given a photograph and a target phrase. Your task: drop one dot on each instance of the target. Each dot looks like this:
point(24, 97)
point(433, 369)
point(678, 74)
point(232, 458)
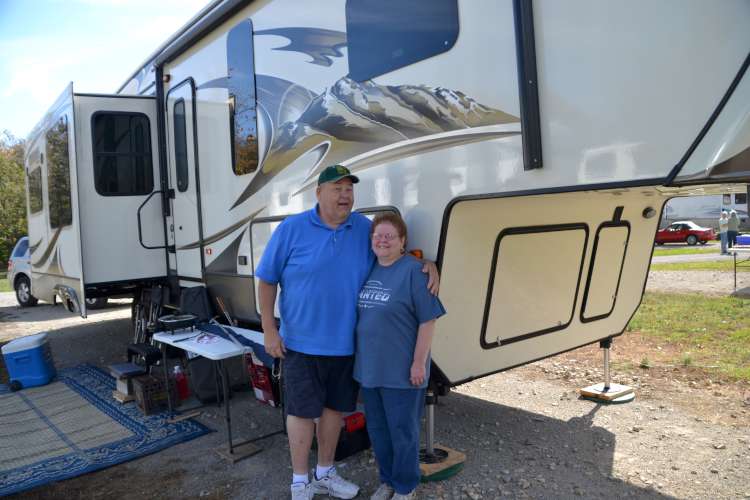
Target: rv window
point(740, 198)
point(35, 190)
point(122, 154)
point(727, 199)
point(180, 145)
point(58, 175)
point(242, 102)
point(385, 35)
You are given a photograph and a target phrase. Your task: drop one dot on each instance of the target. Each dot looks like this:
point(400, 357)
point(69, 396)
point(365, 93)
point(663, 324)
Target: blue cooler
point(29, 361)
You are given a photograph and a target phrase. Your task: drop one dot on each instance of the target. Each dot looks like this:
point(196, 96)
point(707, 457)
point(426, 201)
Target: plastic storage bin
point(29, 361)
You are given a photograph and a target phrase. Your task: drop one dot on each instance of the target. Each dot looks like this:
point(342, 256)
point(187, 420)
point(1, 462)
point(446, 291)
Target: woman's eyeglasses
point(386, 237)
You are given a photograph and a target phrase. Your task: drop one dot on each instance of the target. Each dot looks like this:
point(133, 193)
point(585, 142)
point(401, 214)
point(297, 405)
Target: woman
point(733, 228)
point(396, 322)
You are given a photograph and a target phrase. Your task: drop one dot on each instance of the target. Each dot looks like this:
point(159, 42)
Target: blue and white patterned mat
point(74, 426)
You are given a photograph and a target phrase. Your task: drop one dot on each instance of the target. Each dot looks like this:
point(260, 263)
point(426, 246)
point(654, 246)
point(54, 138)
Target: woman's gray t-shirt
point(392, 304)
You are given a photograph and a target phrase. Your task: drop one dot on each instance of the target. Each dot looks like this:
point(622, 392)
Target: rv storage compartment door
point(531, 276)
point(118, 170)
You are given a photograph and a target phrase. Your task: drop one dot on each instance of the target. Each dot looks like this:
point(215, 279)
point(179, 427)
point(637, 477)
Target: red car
point(684, 232)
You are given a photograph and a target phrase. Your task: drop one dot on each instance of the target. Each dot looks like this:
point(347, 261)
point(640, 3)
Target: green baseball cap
point(335, 173)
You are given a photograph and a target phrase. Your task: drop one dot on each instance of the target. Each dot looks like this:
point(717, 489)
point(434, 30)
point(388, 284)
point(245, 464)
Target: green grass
point(710, 331)
point(716, 265)
point(4, 285)
point(660, 252)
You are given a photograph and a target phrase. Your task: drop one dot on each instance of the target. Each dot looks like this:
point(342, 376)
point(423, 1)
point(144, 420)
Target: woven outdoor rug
point(74, 426)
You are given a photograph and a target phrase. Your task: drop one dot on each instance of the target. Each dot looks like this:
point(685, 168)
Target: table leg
point(217, 384)
point(166, 374)
point(225, 383)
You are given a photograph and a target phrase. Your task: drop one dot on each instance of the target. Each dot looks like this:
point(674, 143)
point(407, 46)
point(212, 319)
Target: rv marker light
point(648, 212)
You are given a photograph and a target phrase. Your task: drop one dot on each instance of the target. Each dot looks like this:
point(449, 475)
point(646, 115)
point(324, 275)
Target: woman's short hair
point(393, 219)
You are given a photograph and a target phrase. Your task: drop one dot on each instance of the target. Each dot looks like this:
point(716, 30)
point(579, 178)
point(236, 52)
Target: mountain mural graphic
point(350, 118)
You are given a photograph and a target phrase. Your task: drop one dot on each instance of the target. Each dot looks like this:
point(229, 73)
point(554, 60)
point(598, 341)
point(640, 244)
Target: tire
point(23, 292)
point(691, 239)
point(96, 303)
point(660, 243)
point(703, 242)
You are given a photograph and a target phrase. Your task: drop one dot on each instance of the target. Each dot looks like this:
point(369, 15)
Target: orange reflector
point(416, 253)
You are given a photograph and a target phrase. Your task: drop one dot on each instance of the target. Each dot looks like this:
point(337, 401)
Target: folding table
point(212, 342)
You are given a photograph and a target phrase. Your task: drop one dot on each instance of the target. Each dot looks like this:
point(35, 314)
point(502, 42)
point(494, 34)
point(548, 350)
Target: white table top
point(208, 345)
point(204, 344)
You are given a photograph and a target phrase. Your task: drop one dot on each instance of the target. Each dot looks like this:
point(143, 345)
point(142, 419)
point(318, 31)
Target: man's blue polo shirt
point(320, 271)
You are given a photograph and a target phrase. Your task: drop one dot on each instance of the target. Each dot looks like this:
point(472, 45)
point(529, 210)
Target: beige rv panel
point(520, 299)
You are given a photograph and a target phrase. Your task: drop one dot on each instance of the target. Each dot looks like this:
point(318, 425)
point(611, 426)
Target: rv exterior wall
point(257, 107)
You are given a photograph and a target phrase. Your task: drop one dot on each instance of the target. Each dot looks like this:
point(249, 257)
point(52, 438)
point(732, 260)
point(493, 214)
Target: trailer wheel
point(23, 292)
point(96, 303)
point(692, 239)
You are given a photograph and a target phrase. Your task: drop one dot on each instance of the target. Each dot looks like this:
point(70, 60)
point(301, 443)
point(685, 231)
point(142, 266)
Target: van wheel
point(96, 303)
point(23, 292)
point(692, 239)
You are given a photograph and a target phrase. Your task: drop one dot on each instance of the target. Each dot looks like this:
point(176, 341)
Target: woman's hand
point(417, 374)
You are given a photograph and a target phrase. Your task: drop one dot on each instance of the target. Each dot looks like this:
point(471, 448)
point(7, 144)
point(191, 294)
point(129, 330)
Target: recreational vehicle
point(706, 210)
point(530, 146)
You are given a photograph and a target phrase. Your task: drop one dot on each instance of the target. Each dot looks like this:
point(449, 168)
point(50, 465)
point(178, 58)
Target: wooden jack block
point(615, 393)
point(442, 464)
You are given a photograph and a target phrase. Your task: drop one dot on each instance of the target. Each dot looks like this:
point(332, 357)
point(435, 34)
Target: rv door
point(184, 226)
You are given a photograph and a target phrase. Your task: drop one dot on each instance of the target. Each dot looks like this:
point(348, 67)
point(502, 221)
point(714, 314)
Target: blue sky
point(96, 44)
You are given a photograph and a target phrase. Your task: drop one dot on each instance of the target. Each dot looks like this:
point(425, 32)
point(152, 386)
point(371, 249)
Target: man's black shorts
point(312, 383)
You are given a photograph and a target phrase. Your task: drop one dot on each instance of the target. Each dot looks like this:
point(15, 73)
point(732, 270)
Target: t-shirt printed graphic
point(373, 294)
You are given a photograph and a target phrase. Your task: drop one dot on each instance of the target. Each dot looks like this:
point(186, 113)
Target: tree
point(12, 194)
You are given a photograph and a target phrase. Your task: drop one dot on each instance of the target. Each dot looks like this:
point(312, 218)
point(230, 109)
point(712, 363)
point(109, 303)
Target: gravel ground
point(714, 283)
point(525, 432)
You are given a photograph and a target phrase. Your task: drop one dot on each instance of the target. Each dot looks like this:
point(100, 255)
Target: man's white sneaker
point(334, 485)
point(384, 492)
point(409, 496)
point(302, 491)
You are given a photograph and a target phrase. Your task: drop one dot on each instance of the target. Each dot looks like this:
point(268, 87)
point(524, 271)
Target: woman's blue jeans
point(724, 238)
point(393, 424)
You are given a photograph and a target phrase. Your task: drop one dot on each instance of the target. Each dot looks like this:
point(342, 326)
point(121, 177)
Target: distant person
point(724, 231)
point(734, 228)
point(395, 326)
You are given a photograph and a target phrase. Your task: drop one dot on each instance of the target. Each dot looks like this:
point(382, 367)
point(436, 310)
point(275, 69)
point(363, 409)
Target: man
point(724, 231)
point(320, 259)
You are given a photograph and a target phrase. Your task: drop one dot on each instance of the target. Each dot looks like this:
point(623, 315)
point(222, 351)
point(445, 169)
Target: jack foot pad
point(614, 394)
point(441, 464)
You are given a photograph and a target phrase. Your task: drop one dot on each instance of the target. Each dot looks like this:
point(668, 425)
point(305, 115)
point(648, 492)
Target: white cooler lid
point(24, 343)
